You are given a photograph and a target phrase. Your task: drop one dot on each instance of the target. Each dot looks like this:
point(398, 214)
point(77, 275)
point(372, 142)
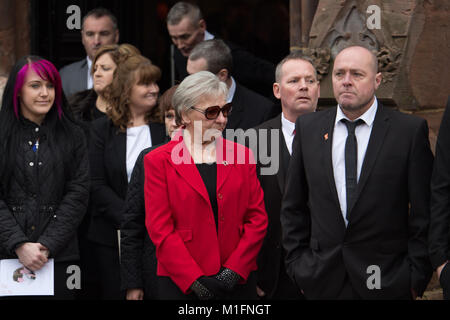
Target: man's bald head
point(355, 80)
point(361, 51)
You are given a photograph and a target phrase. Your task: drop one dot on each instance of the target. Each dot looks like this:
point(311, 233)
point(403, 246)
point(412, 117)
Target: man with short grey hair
point(187, 28)
point(298, 89)
point(249, 108)
point(99, 28)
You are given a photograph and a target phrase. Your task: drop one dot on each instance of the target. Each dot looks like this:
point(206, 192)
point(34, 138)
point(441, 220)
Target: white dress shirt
point(90, 81)
point(208, 36)
point(340, 133)
point(287, 128)
point(138, 139)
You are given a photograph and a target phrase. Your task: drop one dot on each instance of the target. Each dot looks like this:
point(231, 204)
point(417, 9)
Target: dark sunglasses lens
point(212, 112)
point(226, 109)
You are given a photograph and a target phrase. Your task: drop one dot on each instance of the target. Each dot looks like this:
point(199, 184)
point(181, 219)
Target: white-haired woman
point(204, 205)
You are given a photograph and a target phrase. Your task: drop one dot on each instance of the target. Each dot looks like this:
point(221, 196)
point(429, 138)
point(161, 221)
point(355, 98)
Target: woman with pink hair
point(44, 173)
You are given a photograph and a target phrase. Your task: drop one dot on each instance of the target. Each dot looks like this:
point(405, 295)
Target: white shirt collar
point(208, 36)
point(368, 117)
point(89, 64)
point(90, 80)
point(287, 126)
point(231, 91)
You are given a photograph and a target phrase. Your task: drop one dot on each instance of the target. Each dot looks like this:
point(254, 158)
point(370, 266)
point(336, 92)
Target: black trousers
point(103, 273)
point(286, 289)
point(445, 281)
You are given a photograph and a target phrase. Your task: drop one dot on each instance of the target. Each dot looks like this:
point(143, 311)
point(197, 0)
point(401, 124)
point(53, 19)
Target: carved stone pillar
point(14, 32)
point(295, 24)
point(7, 54)
point(411, 45)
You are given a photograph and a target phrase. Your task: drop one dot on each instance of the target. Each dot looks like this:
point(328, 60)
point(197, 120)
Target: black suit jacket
point(253, 72)
point(138, 256)
point(109, 182)
point(249, 109)
point(388, 223)
point(439, 238)
point(271, 256)
point(74, 77)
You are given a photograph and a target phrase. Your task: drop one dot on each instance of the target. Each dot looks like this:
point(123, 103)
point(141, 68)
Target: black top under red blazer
point(388, 224)
point(109, 182)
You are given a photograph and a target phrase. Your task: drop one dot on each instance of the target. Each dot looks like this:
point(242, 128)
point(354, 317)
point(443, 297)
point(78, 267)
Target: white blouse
point(138, 139)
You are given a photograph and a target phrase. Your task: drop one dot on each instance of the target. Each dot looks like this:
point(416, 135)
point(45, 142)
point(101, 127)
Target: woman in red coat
point(204, 205)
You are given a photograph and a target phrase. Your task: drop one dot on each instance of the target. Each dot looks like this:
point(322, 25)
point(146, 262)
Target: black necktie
point(351, 159)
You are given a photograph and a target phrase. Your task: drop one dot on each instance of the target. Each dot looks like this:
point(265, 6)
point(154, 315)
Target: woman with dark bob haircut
point(44, 172)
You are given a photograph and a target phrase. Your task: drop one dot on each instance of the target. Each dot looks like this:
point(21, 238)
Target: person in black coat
point(439, 236)
point(356, 206)
point(88, 106)
point(44, 170)
point(298, 89)
point(115, 143)
point(138, 257)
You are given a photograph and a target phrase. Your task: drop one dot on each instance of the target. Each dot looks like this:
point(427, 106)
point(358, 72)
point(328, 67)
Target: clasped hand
point(218, 286)
point(32, 255)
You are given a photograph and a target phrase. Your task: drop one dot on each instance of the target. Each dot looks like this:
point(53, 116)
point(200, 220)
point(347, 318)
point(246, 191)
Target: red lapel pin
point(326, 136)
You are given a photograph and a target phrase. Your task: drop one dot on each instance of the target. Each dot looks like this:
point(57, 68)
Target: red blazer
point(180, 220)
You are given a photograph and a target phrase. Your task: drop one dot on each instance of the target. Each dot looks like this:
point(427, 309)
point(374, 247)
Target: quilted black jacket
point(138, 257)
point(45, 200)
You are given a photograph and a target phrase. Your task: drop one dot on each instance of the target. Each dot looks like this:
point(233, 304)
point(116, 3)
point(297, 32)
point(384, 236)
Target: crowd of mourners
point(165, 195)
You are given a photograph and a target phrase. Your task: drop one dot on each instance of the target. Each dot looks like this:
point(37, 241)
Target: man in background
point(298, 89)
point(249, 108)
point(99, 27)
point(187, 28)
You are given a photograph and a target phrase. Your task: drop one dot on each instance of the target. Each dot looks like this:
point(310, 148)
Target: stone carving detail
point(321, 58)
point(388, 62)
point(351, 30)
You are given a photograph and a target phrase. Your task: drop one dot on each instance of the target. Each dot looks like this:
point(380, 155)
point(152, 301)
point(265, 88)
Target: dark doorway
point(260, 26)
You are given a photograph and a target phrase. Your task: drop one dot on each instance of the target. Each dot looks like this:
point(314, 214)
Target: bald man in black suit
point(355, 212)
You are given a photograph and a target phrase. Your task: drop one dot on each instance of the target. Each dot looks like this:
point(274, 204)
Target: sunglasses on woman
point(211, 113)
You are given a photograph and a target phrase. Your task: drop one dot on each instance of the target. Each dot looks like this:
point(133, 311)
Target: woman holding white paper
point(44, 172)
